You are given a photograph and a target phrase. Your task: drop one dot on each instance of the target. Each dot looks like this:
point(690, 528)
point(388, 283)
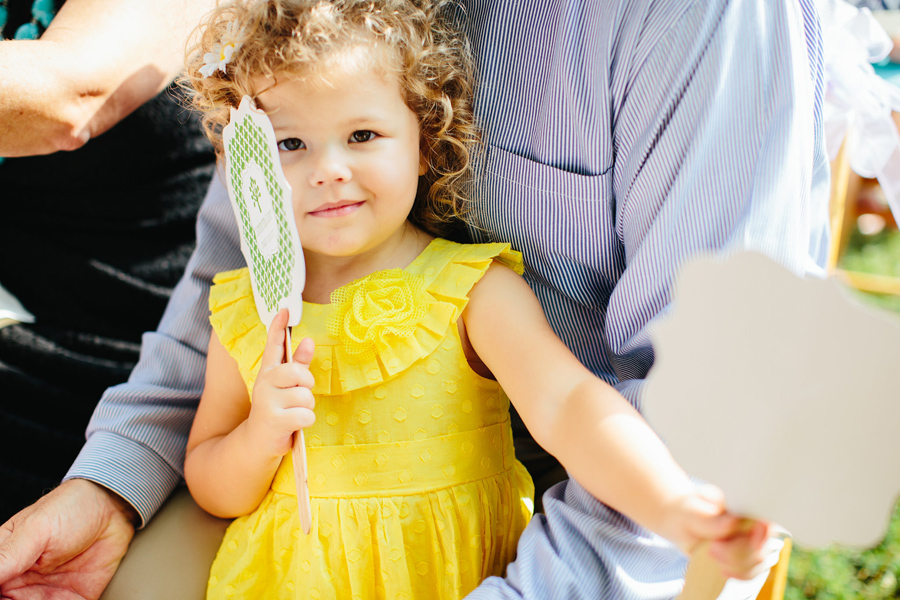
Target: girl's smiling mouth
point(337, 209)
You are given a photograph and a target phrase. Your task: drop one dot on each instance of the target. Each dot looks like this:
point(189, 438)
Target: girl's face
point(350, 150)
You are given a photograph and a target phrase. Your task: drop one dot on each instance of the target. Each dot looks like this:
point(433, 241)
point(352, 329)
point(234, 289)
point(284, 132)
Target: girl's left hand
point(735, 543)
point(282, 401)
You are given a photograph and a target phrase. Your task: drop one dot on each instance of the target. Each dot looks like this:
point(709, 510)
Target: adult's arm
point(96, 62)
point(138, 433)
point(719, 148)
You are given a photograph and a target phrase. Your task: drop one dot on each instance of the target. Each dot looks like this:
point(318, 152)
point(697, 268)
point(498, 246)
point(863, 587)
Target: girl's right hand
point(282, 400)
point(737, 544)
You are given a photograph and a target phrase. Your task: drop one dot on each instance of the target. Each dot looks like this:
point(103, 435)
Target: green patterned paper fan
point(261, 198)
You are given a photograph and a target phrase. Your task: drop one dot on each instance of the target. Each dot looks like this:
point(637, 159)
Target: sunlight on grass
point(839, 573)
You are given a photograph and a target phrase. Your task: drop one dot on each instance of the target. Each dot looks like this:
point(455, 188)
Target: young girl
point(405, 339)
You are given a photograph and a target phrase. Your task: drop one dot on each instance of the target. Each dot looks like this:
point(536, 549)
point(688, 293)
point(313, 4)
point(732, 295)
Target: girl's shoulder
point(448, 271)
point(232, 308)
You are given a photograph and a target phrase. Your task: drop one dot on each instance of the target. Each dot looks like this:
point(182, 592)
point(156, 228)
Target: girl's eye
point(291, 144)
point(362, 136)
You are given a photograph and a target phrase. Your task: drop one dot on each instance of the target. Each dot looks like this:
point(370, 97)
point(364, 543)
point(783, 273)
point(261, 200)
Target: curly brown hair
point(302, 38)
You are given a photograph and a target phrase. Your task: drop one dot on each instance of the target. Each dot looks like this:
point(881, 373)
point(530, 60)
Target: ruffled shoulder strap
point(411, 311)
point(453, 269)
point(235, 320)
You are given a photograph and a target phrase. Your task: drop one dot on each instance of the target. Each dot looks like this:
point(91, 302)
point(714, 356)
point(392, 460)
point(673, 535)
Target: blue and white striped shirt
point(622, 137)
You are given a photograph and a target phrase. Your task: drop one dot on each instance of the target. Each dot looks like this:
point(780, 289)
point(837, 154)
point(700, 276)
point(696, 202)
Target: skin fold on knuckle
point(307, 398)
point(308, 418)
point(299, 374)
point(301, 398)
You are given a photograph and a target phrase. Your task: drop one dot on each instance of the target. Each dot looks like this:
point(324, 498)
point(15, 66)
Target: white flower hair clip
point(221, 54)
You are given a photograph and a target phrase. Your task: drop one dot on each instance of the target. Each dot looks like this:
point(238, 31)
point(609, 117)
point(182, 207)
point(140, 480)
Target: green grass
point(839, 573)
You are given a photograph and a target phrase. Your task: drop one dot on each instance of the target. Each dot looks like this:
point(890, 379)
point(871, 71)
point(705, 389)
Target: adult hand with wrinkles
point(66, 546)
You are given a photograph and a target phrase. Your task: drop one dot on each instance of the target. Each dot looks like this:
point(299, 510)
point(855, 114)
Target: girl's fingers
point(304, 352)
point(708, 518)
point(735, 543)
point(298, 397)
point(743, 555)
point(273, 354)
point(718, 527)
point(299, 418)
point(712, 494)
point(292, 397)
point(291, 375)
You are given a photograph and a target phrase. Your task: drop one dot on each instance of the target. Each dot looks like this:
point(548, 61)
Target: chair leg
point(775, 585)
point(842, 210)
point(704, 580)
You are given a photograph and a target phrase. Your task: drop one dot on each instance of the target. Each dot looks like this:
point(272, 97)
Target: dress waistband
point(402, 468)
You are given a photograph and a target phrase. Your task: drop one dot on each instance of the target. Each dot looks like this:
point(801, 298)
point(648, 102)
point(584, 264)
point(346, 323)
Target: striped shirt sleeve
point(719, 147)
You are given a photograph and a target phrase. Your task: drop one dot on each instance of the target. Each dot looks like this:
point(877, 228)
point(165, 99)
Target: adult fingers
point(22, 542)
point(304, 352)
point(273, 354)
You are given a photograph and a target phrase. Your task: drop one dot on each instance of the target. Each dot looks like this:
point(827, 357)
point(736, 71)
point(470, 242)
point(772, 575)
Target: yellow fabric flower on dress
point(368, 312)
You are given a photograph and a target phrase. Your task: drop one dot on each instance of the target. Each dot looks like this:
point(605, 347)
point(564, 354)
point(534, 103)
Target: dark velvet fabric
point(92, 243)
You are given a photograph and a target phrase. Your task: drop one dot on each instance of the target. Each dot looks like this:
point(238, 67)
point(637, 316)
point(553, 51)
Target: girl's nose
point(331, 168)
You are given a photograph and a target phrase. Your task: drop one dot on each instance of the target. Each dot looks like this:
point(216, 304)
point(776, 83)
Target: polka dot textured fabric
point(415, 489)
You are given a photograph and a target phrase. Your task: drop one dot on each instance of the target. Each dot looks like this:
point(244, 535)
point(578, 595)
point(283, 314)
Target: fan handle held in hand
point(298, 456)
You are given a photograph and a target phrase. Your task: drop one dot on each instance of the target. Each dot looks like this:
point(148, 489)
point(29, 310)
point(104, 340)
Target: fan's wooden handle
point(298, 457)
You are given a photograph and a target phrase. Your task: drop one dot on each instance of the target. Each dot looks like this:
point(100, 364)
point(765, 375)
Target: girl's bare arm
point(235, 447)
point(584, 422)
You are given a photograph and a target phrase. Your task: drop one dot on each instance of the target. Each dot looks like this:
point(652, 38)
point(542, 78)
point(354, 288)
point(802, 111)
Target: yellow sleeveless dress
point(414, 486)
